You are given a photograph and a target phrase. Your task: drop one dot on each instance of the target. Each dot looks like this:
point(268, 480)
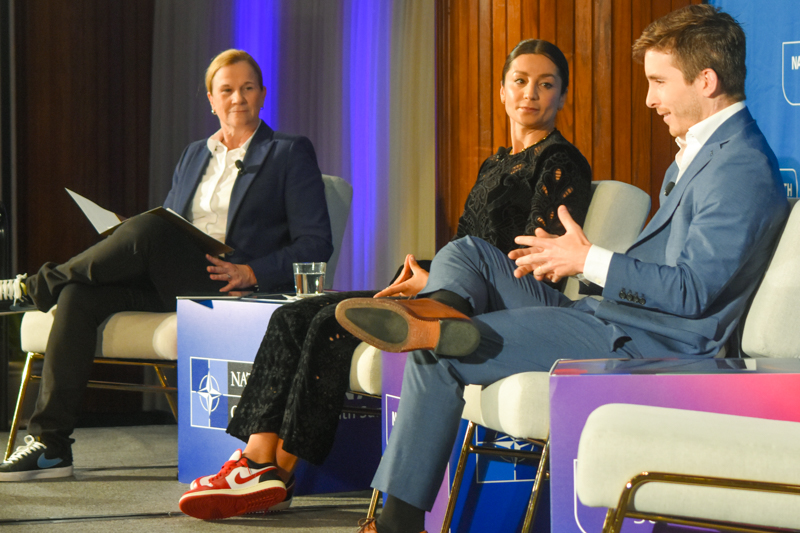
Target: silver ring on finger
point(229, 276)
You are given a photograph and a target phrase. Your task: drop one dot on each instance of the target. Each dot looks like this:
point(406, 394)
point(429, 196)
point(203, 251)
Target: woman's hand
point(409, 283)
point(237, 276)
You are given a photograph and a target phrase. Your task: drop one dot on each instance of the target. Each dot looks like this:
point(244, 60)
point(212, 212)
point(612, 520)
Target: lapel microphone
point(667, 189)
point(239, 165)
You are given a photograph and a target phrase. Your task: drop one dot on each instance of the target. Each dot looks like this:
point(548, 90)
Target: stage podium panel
point(217, 343)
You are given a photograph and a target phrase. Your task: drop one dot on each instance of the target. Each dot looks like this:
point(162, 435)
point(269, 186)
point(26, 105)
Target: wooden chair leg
point(23, 389)
point(462, 463)
point(170, 396)
point(541, 472)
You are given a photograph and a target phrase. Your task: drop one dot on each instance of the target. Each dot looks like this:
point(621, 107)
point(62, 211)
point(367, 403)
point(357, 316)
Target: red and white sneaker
point(241, 487)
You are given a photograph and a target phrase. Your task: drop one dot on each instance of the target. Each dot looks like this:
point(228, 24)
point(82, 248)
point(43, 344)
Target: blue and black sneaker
point(32, 461)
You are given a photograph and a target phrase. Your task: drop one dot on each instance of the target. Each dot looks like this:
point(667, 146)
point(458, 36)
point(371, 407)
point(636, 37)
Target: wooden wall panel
point(604, 115)
point(83, 108)
point(83, 121)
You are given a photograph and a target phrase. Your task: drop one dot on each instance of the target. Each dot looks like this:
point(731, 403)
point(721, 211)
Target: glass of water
point(309, 279)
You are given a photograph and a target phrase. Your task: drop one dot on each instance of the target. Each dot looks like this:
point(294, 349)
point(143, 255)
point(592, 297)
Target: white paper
point(101, 219)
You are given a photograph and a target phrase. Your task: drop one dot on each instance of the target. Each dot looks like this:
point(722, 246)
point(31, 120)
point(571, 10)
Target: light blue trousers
point(525, 326)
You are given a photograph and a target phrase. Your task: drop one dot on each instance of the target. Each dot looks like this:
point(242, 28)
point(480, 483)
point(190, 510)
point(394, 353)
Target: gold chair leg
point(608, 523)
point(170, 396)
point(541, 472)
point(23, 388)
point(462, 464)
point(373, 503)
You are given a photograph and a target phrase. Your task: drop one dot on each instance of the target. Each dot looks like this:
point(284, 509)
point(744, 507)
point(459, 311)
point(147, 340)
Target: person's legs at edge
point(70, 352)
point(142, 267)
point(524, 325)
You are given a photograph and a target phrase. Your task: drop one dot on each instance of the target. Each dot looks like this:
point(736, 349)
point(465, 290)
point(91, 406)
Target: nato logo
point(490, 469)
point(790, 72)
point(789, 176)
point(217, 385)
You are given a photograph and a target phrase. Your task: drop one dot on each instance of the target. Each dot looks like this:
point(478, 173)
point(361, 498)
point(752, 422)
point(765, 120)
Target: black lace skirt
point(299, 378)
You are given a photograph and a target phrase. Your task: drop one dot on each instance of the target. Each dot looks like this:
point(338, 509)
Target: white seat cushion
point(772, 325)
point(365, 369)
point(126, 335)
point(518, 405)
point(619, 441)
point(35, 329)
point(140, 335)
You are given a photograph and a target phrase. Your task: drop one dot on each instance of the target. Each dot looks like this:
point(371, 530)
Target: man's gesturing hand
point(549, 256)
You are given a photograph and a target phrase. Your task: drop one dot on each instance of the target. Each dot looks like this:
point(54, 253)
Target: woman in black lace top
point(294, 395)
point(524, 190)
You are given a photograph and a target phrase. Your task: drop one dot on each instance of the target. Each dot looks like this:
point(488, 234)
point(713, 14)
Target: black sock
point(453, 300)
point(400, 517)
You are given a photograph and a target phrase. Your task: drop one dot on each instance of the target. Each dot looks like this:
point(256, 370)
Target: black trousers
point(142, 266)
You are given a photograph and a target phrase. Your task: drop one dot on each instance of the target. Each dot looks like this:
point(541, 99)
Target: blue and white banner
point(773, 76)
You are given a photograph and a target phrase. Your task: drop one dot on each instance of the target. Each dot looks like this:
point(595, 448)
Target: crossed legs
point(525, 326)
point(143, 266)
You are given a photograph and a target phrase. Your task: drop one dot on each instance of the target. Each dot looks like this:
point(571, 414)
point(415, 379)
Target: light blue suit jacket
point(683, 285)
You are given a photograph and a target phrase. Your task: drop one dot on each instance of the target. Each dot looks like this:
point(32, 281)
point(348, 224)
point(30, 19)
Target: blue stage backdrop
point(773, 75)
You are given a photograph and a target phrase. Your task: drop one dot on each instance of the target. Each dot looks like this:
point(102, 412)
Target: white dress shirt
point(595, 269)
point(213, 196)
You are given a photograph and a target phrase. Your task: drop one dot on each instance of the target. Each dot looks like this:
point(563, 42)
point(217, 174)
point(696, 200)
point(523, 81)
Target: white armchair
point(706, 469)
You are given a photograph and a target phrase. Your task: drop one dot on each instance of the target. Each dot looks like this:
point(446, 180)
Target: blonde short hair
point(229, 57)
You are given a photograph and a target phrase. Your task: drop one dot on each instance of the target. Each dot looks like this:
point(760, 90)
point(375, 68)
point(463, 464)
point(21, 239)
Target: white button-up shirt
point(213, 196)
point(595, 269)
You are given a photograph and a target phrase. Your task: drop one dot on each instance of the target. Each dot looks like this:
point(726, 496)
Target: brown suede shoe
point(367, 525)
point(404, 325)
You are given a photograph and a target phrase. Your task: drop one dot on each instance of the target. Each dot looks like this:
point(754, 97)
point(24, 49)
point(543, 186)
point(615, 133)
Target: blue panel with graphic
point(789, 176)
point(500, 470)
point(772, 86)
point(217, 342)
point(495, 490)
point(790, 76)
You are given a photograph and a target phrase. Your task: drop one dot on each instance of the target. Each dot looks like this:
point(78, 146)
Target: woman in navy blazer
point(259, 191)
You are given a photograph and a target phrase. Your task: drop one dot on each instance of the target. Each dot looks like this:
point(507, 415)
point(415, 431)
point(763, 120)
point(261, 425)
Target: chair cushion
point(772, 326)
point(620, 441)
point(139, 335)
point(126, 335)
point(365, 369)
point(518, 405)
point(35, 329)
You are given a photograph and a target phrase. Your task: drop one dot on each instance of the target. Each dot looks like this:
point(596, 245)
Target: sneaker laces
point(12, 288)
point(31, 445)
point(226, 469)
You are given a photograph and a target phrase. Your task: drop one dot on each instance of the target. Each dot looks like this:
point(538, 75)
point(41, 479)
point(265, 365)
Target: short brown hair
point(229, 57)
point(699, 37)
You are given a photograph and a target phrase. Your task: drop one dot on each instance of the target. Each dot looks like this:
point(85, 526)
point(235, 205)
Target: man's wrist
point(595, 268)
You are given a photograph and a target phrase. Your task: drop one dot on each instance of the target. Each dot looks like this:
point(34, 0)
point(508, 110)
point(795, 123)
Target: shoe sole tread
point(224, 503)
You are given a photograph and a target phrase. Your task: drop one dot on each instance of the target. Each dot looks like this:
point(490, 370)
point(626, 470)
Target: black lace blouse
point(517, 193)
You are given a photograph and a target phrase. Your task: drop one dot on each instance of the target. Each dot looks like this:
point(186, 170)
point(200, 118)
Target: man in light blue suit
point(679, 291)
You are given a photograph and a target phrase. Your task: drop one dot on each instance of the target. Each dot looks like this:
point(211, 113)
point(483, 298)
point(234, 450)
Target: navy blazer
point(682, 287)
point(277, 214)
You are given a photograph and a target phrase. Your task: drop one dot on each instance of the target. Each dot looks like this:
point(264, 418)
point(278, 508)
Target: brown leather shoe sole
point(404, 325)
